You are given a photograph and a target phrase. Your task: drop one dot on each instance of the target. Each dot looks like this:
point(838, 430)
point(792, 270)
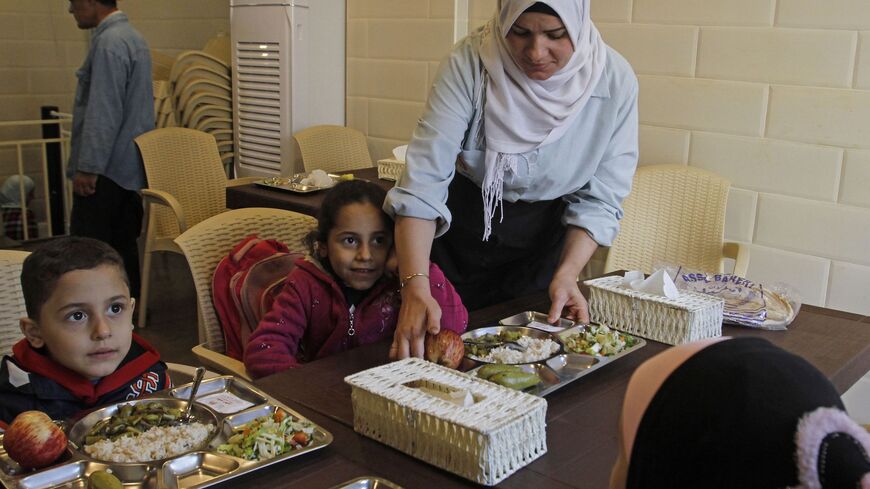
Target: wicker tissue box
point(689, 317)
point(390, 169)
point(502, 431)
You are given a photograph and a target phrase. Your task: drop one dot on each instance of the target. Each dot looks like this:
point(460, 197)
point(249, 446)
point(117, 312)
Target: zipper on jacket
point(350, 330)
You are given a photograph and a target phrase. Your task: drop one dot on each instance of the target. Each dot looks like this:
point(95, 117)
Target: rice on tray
point(157, 443)
point(535, 350)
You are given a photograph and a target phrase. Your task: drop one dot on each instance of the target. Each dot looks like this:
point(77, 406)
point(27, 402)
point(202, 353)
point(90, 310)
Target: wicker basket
point(689, 317)
point(485, 442)
point(390, 169)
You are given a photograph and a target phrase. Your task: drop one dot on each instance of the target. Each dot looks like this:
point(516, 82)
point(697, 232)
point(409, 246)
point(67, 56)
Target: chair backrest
point(220, 47)
point(199, 72)
point(185, 103)
point(196, 58)
point(674, 215)
point(186, 164)
point(161, 65)
point(206, 243)
point(11, 299)
point(209, 124)
point(333, 148)
point(163, 109)
point(203, 111)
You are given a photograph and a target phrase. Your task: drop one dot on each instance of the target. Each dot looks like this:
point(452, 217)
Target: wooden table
point(252, 195)
point(581, 417)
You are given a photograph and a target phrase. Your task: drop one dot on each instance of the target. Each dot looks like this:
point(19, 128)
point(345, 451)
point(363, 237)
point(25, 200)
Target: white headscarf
point(521, 114)
point(10, 190)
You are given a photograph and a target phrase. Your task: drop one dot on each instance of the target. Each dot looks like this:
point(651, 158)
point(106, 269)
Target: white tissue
point(659, 283)
point(318, 178)
point(399, 152)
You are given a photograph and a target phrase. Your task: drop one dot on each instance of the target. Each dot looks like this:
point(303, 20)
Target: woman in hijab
point(525, 151)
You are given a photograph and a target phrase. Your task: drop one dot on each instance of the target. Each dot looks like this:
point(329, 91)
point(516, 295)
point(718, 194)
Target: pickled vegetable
point(491, 369)
point(510, 376)
point(132, 420)
point(103, 480)
point(516, 380)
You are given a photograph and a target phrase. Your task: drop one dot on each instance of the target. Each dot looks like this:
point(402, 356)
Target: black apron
point(520, 256)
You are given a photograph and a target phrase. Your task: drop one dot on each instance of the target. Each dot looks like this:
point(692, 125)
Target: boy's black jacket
point(30, 380)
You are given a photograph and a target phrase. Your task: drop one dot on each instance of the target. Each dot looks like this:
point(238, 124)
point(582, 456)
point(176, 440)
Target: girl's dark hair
point(44, 267)
point(342, 194)
point(542, 8)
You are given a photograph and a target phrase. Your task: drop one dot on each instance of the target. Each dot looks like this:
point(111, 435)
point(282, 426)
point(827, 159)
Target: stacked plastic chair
point(164, 113)
point(201, 92)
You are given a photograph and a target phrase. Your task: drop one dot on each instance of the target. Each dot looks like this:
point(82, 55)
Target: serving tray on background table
point(230, 401)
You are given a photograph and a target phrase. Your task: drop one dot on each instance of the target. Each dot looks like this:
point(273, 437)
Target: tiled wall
point(41, 48)
point(775, 96)
point(393, 49)
point(772, 94)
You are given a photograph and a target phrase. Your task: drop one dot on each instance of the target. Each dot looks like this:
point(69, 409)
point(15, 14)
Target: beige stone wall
point(393, 50)
point(774, 95)
point(41, 48)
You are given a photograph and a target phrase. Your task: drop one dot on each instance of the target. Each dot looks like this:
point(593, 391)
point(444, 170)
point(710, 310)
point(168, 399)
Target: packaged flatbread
point(747, 303)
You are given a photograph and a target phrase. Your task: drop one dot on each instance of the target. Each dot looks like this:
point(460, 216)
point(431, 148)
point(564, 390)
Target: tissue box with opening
point(689, 317)
point(501, 432)
point(390, 169)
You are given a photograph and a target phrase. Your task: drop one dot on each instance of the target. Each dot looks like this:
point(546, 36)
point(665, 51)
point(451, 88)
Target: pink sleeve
point(453, 313)
point(273, 346)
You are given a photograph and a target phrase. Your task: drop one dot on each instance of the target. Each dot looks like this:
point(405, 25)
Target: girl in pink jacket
point(342, 297)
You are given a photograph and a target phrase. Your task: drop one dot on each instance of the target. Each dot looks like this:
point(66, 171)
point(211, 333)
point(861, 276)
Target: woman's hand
point(564, 292)
point(419, 314)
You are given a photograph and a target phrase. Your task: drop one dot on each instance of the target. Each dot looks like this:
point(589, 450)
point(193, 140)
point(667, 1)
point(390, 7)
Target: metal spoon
point(513, 345)
point(197, 378)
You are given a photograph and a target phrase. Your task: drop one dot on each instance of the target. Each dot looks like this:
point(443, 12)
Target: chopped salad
point(268, 437)
point(599, 341)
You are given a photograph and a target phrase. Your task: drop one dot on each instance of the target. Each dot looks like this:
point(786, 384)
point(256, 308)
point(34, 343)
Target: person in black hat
point(737, 413)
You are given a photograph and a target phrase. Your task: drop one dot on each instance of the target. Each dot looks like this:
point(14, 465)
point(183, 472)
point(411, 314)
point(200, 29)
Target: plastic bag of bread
point(747, 303)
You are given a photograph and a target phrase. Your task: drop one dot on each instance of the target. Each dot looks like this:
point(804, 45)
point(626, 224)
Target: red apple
point(445, 348)
point(33, 440)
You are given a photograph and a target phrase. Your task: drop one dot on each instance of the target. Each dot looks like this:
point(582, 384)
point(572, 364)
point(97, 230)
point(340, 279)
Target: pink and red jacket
point(311, 318)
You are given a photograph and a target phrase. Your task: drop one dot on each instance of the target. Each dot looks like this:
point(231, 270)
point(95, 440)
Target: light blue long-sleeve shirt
point(114, 104)
point(590, 167)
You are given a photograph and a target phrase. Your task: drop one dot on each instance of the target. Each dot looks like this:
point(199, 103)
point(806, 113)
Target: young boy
point(79, 350)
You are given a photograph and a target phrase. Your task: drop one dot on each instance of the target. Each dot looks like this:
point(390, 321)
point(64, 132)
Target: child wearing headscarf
point(736, 413)
point(14, 190)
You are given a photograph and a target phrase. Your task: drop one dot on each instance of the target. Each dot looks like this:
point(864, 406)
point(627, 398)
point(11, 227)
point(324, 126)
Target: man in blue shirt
point(113, 105)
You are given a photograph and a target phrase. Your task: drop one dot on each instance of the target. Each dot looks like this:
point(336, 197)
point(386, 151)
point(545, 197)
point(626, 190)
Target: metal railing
point(54, 149)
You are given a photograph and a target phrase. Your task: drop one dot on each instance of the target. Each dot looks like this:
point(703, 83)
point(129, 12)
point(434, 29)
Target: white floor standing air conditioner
point(288, 74)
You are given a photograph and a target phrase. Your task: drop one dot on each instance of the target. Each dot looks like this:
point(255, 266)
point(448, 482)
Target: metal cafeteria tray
point(367, 482)
point(226, 401)
point(537, 320)
point(559, 370)
point(294, 183)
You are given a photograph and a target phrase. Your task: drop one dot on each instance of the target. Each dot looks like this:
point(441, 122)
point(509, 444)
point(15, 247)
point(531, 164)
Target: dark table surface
point(581, 417)
point(252, 195)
